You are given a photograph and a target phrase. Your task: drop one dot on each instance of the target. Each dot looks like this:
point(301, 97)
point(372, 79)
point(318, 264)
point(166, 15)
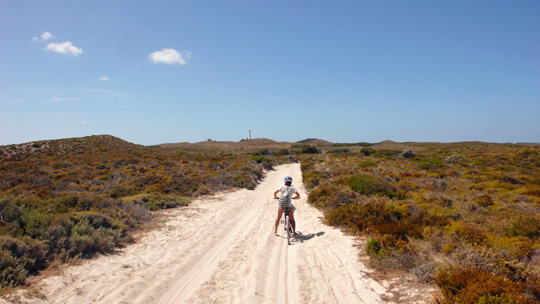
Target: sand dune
point(222, 249)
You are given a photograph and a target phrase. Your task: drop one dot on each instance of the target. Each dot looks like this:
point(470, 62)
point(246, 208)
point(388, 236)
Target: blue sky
point(153, 72)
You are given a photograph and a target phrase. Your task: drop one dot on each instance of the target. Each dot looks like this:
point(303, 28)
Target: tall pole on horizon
point(249, 137)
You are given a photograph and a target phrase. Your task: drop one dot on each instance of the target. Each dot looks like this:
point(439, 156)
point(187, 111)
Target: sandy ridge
point(222, 249)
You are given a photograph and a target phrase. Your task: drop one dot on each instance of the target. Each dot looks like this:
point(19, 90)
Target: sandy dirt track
point(222, 249)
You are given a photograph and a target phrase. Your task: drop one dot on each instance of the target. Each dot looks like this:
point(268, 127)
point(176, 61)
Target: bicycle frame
point(287, 224)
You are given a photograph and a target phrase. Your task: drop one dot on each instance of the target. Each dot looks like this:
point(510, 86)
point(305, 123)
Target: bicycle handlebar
point(292, 197)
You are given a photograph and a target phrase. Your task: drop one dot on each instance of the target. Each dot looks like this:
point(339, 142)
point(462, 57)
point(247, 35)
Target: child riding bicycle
point(287, 191)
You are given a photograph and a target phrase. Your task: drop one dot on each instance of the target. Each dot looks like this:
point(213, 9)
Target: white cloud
point(66, 99)
point(83, 122)
point(44, 36)
point(64, 48)
point(104, 78)
point(169, 56)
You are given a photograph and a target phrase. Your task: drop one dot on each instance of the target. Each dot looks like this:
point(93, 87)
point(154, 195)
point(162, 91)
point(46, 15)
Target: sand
point(222, 249)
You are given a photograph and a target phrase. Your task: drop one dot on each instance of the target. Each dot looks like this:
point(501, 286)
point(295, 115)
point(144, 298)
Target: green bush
point(339, 151)
point(387, 153)
point(524, 226)
point(282, 151)
point(467, 232)
point(265, 161)
point(312, 179)
point(262, 152)
point(56, 237)
point(385, 245)
point(430, 164)
point(369, 185)
point(86, 241)
point(12, 272)
point(514, 248)
point(245, 181)
point(19, 258)
point(367, 151)
point(309, 150)
point(156, 202)
point(34, 221)
point(367, 164)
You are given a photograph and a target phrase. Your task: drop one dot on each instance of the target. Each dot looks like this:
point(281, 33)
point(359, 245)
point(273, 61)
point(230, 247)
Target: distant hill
point(314, 142)
point(69, 146)
point(244, 144)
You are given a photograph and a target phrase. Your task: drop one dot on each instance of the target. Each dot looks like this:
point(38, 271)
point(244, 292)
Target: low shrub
point(157, 201)
point(312, 179)
point(246, 181)
point(377, 217)
point(309, 150)
point(369, 185)
point(339, 151)
point(430, 164)
point(514, 248)
point(367, 164)
point(385, 244)
point(329, 196)
point(262, 152)
point(478, 286)
point(281, 151)
point(524, 225)
point(467, 232)
point(264, 160)
point(387, 153)
point(393, 260)
point(19, 258)
point(56, 237)
point(484, 200)
point(12, 272)
point(425, 271)
point(367, 151)
point(86, 241)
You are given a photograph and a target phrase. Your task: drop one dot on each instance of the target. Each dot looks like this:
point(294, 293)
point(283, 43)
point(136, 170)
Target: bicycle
point(287, 225)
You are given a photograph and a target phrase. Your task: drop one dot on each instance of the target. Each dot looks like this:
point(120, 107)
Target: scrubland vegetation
point(74, 198)
point(464, 216)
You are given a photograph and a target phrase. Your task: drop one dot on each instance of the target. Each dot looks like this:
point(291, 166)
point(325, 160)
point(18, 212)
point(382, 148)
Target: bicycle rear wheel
point(288, 230)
